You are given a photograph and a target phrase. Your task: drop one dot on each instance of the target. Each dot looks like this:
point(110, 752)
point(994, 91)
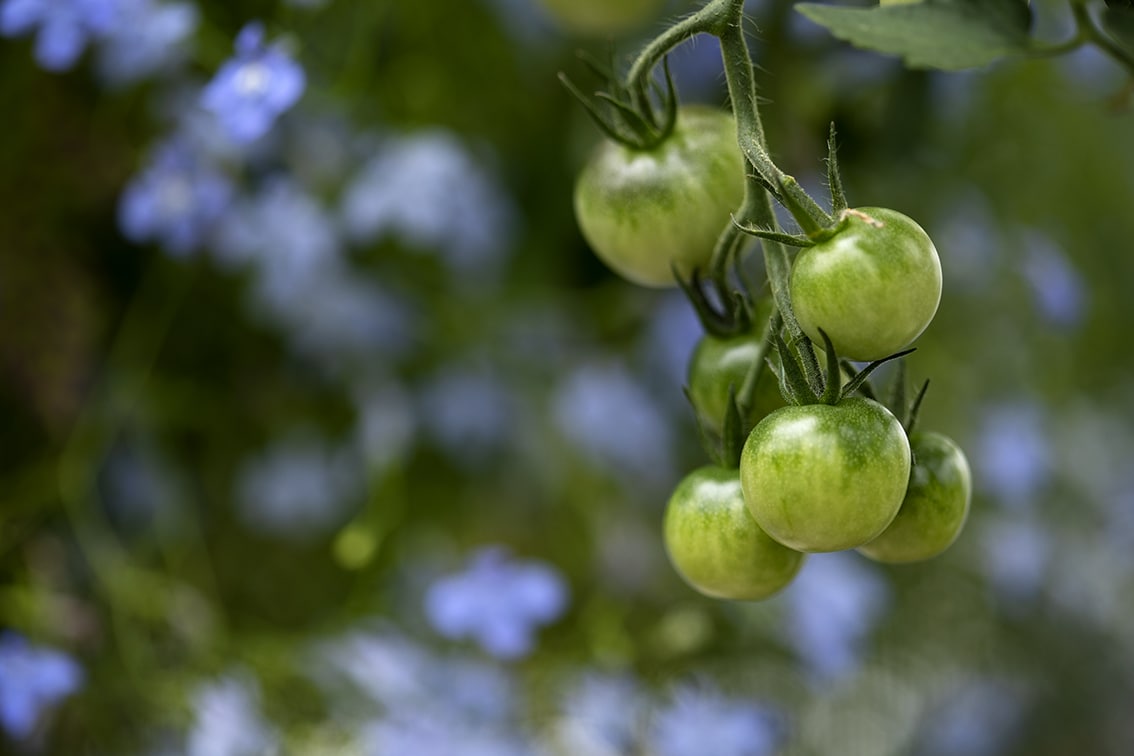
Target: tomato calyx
point(800, 388)
point(639, 115)
point(730, 315)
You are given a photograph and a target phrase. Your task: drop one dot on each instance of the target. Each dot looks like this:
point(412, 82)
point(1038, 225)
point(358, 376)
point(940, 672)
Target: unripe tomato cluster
point(833, 474)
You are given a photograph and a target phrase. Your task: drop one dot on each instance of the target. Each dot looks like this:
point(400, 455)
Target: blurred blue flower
point(32, 679)
point(701, 722)
point(386, 427)
point(297, 488)
point(155, 39)
point(980, 717)
point(671, 336)
point(1059, 292)
point(468, 413)
point(65, 26)
point(175, 201)
point(497, 601)
point(399, 676)
point(602, 715)
point(1017, 552)
point(1013, 454)
point(833, 605)
point(613, 421)
point(970, 239)
point(422, 734)
point(285, 233)
point(428, 192)
point(251, 90)
point(227, 721)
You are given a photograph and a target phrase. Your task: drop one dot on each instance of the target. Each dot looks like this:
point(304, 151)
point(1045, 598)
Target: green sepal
point(731, 319)
point(834, 178)
point(915, 408)
point(733, 433)
point(791, 240)
point(629, 118)
point(793, 383)
point(897, 399)
point(834, 379)
point(865, 388)
point(860, 378)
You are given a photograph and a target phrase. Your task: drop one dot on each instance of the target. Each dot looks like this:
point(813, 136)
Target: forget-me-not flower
point(703, 721)
point(833, 605)
point(611, 419)
point(498, 602)
point(297, 488)
point(1014, 457)
point(65, 26)
point(155, 39)
point(427, 191)
point(175, 201)
point(1058, 289)
point(602, 715)
point(254, 88)
point(32, 679)
point(228, 721)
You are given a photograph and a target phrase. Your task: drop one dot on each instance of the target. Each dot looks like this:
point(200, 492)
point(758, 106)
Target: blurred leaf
point(947, 34)
point(1119, 24)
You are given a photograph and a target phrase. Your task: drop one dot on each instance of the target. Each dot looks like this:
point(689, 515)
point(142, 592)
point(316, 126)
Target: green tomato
point(602, 17)
point(643, 210)
point(873, 287)
point(716, 546)
point(936, 504)
point(826, 477)
point(718, 363)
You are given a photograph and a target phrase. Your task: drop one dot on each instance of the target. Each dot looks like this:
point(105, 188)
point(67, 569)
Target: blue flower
point(155, 39)
point(287, 235)
point(65, 26)
point(228, 721)
point(175, 201)
point(601, 715)
point(833, 605)
point(981, 717)
point(254, 88)
point(1060, 295)
point(610, 418)
point(1014, 456)
point(298, 488)
point(497, 602)
point(427, 191)
point(1017, 554)
point(468, 412)
point(703, 722)
point(32, 679)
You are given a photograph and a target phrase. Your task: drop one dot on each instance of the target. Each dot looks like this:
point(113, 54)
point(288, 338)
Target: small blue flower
point(175, 201)
point(156, 39)
point(32, 679)
point(703, 722)
point(254, 88)
point(1014, 457)
point(981, 717)
point(833, 605)
point(611, 419)
point(228, 721)
point(497, 602)
point(65, 26)
point(1017, 555)
point(468, 412)
point(287, 235)
point(429, 192)
point(601, 715)
point(1059, 292)
point(297, 488)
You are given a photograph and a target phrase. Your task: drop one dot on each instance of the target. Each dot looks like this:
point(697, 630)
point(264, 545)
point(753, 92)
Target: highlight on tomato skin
point(645, 211)
point(874, 286)
point(935, 507)
point(822, 477)
point(715, 545)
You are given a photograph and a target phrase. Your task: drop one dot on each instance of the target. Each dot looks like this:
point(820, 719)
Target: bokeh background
point(323, 432)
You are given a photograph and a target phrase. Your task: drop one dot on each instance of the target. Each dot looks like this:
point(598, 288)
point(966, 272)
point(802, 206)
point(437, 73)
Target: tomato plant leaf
point(950, 35)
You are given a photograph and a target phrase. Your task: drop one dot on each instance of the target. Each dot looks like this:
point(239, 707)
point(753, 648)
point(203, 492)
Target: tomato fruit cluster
point(645, 210)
